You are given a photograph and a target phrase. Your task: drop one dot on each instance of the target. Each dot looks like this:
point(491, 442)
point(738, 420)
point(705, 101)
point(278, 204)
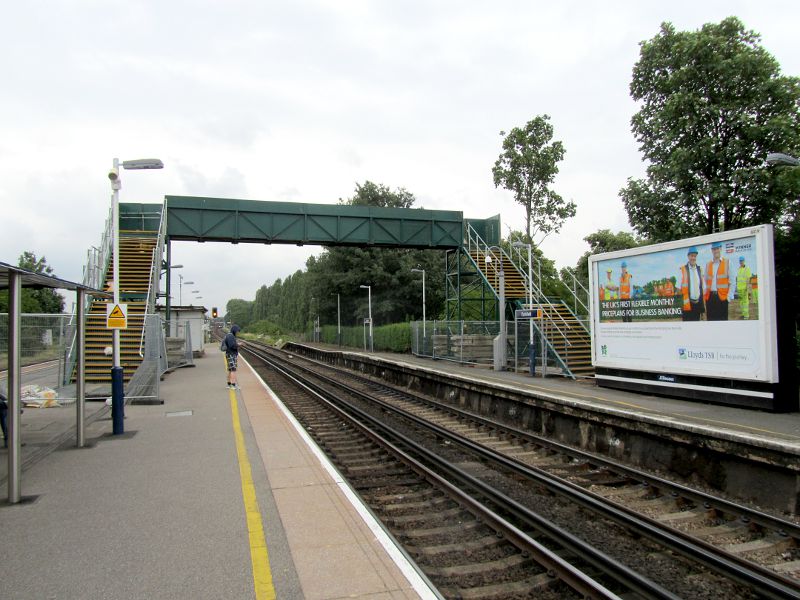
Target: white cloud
point(301, 101)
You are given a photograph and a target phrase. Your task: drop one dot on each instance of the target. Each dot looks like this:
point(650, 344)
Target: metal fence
point(472, 342)
point(44, 340)
point(47, 356)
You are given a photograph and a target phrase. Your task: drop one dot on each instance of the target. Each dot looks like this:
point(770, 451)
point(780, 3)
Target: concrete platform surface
point(161, 511)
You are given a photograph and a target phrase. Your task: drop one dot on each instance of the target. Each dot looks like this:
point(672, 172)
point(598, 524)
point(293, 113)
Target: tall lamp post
point(424, 327)
point(117, 389)
point(500, 361)
point(369, 297)
point(338, 320)
point(531, 349)
point(182, 283)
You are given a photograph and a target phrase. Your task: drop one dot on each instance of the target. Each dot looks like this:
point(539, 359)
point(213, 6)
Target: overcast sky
point(301, 100)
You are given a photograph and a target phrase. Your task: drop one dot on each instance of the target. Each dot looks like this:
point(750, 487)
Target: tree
point(45, 300)
point(713, 104)
point(239, 312)
point(527, 166)
point(601, 241)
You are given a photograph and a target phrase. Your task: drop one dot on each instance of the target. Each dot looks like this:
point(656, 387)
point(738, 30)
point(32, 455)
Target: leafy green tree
point(713, 103)
point(603, 240)
point(527, 167)
point(46, 300)
point(239, 312)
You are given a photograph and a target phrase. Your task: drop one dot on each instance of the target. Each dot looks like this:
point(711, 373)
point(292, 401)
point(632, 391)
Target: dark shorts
point(232, 358)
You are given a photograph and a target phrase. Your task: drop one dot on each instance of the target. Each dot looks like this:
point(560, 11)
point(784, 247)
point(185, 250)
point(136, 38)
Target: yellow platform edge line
point(262, 575)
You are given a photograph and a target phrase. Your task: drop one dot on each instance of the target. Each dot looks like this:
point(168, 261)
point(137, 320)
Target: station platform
point(214, 494)
point(188, 504)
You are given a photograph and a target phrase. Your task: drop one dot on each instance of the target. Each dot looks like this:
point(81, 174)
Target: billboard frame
point(733, 363)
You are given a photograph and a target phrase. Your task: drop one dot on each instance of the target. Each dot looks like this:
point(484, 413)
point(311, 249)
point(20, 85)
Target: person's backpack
point(224, 345)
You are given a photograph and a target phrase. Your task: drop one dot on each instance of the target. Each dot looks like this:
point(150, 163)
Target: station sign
point(528, 313)
point(116, 316)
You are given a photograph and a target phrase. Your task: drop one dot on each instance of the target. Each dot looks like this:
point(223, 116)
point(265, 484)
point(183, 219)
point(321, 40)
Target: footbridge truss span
point(255, 221)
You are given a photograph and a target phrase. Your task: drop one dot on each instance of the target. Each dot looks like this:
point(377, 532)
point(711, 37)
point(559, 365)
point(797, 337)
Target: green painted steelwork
point(229, 220)
point(134, 216)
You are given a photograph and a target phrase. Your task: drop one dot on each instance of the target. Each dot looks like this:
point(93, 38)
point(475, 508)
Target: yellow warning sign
point(116, 316)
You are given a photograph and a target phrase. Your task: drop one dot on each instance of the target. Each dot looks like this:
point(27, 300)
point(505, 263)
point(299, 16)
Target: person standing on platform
point(717, 284)
point(625, 292)
point(692, 287)
point(231, 346)
point(743, 277)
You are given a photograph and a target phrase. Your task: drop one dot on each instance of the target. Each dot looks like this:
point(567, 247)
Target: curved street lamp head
point(142, 163)
point(366, 287)
point(779, 158)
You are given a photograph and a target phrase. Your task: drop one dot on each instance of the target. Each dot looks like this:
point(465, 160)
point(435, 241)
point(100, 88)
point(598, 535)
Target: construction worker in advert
point(717, 283)
point(692, 287)
point(610, 286)
point(625, 292)
point(743, 286)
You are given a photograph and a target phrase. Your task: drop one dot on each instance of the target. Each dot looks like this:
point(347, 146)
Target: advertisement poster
point(700, 306)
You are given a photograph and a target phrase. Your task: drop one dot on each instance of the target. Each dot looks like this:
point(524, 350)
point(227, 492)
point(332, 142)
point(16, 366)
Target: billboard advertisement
point(703, 306)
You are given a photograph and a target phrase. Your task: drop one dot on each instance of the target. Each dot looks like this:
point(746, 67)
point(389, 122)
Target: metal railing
point(155, 275)
point(551, 321)
point(471, 342)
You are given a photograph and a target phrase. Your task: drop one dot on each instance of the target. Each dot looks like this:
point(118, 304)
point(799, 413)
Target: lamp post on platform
point(369, 296)
point(182, 283)
point(117, 390)
point(531, 348)
point(500, 361)
point(424, 327)
point(338, 320)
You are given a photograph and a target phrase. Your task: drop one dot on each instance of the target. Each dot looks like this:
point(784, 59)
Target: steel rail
point(568, 572)
point(766, 582)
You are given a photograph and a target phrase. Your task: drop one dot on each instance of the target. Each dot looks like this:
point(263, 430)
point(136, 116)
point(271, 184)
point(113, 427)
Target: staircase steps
point(569, 338)
point(514, 281)
point(135, 263)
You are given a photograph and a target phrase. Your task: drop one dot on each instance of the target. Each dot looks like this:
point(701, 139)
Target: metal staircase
point(566, 336)
point(136, 252)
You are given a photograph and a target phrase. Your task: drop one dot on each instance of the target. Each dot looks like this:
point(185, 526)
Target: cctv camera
point(113, 174)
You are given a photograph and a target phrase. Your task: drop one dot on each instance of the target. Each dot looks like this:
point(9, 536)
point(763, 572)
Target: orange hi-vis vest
point(687, 304)
point(722, 279)
point(625, 286)
point(754, 282)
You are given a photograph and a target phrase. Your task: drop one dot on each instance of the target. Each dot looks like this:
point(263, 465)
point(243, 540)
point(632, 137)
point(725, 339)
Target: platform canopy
point(13, 279)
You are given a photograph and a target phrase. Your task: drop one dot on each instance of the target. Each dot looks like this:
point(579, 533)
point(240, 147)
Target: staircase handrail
point(553, 350)
point(97, 259)
point(576, 283)
point(476, 244)
point(155, 275)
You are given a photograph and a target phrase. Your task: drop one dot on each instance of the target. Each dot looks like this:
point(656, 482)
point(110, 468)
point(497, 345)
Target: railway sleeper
point(472, 546)
point(484, 569)
point(540, 584)
point(399, 507)
point(447, 515)
point(367, 483)
point(419, 535)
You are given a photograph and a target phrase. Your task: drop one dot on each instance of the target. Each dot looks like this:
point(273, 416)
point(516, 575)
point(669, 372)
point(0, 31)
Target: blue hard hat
point(624, 264)
point(716, 245)
point(741, 259)
point(692, 250)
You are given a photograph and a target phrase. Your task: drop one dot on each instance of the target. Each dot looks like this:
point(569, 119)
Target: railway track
point(511, 470)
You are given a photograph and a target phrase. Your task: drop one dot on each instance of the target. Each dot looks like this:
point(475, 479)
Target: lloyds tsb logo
point(682, 353)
